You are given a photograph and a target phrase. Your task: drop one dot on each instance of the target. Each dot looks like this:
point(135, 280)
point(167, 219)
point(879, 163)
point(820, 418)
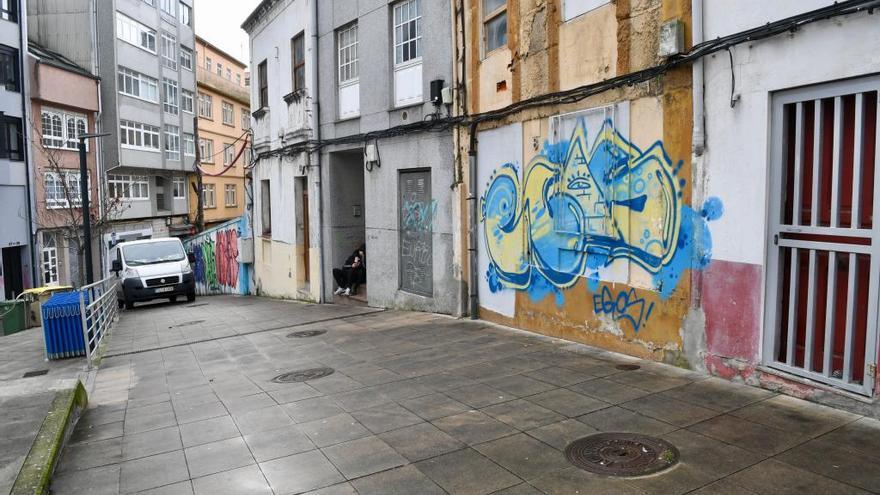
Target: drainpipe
point(472, 228)
point(25, 146)
point(699, 134)
point(316, 125)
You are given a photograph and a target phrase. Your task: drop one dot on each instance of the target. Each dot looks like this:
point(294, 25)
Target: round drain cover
point(303, 375)
point(306, 333)
point(621, 454)
point(627, 367)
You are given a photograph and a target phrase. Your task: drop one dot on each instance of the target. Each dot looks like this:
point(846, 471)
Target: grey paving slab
point(479, 395)
point(522, 414)
point(98, 481)
point(795, 416)
point(335, 429)
point(421, 441)
point(219, 456)
point(623, 420)
point(776, 477)
point(363, 457)
point(248, 479)
point(671, 411)
point(208, 430)
point(386, 417)
point(405, 480)
point(567, 403)
point(560, 434)
point(473, 427)
point(838, 462)
point(150, 443)
point(524, 456)
point(282, 442)
point(300, 473)
point(572, 480)
point(748, 435)
point(151, 472)
point(467, 472)
point(307, 410)
point(434, 406)
point(267, 418)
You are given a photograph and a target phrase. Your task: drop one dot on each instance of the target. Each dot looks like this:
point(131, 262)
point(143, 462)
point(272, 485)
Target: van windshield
point(153, 252)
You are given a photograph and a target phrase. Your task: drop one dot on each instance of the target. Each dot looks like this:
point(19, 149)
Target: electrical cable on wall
point(709, 47)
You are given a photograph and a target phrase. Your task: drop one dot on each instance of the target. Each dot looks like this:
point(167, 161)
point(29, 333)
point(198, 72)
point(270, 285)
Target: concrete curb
point(36, 472)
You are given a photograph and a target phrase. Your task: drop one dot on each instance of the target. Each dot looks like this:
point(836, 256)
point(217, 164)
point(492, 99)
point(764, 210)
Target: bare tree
point(62, 212)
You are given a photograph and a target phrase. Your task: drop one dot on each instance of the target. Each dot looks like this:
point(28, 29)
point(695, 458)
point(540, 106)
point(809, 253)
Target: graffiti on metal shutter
point(417, 214)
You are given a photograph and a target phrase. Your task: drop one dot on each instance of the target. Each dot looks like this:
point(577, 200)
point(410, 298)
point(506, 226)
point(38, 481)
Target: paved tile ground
point(424, 404)
point(24, 402)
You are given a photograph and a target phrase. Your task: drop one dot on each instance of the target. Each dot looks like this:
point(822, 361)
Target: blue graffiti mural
point(418, 216)
point(584, 203)
point(627, 305)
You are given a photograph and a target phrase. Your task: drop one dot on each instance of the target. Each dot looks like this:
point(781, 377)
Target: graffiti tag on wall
point(216, 268)
point(417, 213)
point(585, 203)
point(627, 305)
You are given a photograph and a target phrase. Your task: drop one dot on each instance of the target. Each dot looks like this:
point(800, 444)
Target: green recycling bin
point(12, 317)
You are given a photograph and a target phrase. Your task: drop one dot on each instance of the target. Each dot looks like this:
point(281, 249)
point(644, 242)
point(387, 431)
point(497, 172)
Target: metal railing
point(98, 309)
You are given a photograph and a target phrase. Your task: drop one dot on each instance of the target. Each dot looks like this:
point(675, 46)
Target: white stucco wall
point(739, 138)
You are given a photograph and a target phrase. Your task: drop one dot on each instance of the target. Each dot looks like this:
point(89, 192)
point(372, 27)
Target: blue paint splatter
point(713, 208)
point(541, 288)
point(492, 277)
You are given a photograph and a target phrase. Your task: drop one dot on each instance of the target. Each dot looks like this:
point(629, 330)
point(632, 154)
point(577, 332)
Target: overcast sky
point(219, 22)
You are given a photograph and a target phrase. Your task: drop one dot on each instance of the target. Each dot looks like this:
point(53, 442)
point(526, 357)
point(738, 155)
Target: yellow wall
point(221, 89)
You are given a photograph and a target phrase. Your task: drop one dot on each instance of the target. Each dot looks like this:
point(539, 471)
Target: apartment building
point(64, 105)
point(375, 67)
point(16, 261)
point(223, 105)
point(144, 53)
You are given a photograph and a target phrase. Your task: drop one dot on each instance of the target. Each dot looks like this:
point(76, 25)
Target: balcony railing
point(298, 113)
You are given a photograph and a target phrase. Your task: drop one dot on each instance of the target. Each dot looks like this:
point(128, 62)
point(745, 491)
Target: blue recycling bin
point(62, 326)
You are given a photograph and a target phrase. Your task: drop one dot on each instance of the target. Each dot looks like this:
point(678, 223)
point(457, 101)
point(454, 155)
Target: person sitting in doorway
point(353, 272)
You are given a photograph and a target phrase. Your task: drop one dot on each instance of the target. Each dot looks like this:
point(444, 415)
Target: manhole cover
point(30, 374)
point(306, 333)
point(621, 454)
point(303, 375)
point(627, 367)
point(187, 323)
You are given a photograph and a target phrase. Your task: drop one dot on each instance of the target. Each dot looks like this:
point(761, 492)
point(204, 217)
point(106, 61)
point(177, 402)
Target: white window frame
point(172, 142)
point(348, 58)
point(54, 195)
point(143, 83)
point(143, 131)
point(487, 17)
point(229, 191)
point(128, 187)
point(189, 144)
point(227, 111)
point(169, 43)
point(187, 101)
point(206, 106)
point(245, 118)
point(185, 14)
point(186, 58)
point(209, 191)
point(206, 150)
point(228, 153)
point(169, 7)
point(53, 135)
point(178, 187)
point(49, 259)
point(133, 32)
point(414, 9)
point(171, 94)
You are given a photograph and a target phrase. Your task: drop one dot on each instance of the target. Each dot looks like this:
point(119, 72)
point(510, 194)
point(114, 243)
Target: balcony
point(298, 117)
point(223, 86)
point(262, 131)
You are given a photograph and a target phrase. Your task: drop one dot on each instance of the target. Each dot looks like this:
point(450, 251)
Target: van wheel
point(120, 304)
point(129, 304)
point(190, 297)
point(173, 299)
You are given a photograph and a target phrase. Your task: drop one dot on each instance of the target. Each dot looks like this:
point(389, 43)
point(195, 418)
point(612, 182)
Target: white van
point(152, 269)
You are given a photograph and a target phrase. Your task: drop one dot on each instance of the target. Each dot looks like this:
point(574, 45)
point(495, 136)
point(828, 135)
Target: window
point(49, 259)
point(135, 135)
point(407, 31)
point(186, 58)
point(169, 7)
point(61, 130)
point(228, 113)
point(494, 24)
point(171, 103)
point(263, 75)
point(574, 8)
point(229, 74)
point(131, 31)
point(62, 189)
point(185, 14)
point(128, 186)
point(348, 54)
point(172, 142)
point(209, 196)
point(230, 195)
point(206, 150)
point(206, 106)
point(245, 119)
point(186, 100)
point(9, 11)
point(178, 186)
point(266, 207)
point(169, 50)
point(11, 138)
point(297, 52)
point(228, 154)
point(238, 79)
point(189, 144)
point(208, 64)
point(9, 77)
point(247, 156)
point(219, 69)
point(135, 84)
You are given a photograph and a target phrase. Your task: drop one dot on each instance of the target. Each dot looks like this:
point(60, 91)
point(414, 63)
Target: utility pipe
point(472, 228)
point(316, 125)
point(699, 133)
